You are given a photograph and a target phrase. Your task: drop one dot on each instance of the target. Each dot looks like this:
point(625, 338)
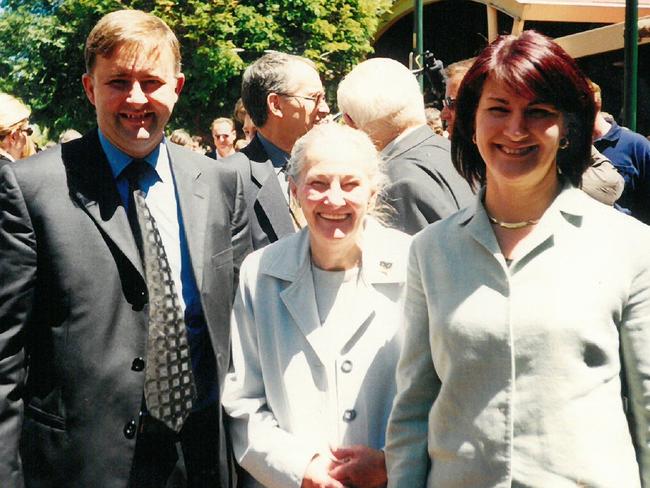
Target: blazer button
point(346, 366)
point(137, 364)
point(129, 429)
point(349, 415)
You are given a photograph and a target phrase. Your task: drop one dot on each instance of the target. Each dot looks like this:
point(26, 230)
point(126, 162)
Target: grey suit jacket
point(72, 308)
point(267, 206)
point(423, 184)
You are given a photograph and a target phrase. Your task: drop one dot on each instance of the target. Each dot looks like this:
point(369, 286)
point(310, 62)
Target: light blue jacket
point(510, 375)
point(288, 397)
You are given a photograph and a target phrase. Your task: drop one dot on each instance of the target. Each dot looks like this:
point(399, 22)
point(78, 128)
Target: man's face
point(304, 105)
point(448, 113)
point(134, 92)
point(224, 136)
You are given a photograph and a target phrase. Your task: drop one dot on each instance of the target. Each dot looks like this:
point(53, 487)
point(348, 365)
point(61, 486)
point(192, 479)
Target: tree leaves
point(41, 48)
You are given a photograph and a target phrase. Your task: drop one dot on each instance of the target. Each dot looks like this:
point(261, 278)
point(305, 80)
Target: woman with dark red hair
point(527, 314)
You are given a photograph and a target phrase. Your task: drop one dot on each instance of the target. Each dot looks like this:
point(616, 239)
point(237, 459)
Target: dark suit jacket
point(423, 184)
point(267, 206)
point(72, 297)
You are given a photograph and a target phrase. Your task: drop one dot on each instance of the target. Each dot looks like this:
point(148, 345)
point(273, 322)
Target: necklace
point(512, 225)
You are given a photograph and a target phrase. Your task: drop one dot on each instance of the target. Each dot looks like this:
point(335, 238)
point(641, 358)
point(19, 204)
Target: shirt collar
point(7, 155)
point(386, 150)
point(118, 159)
point(278, 157)
point(613, 134)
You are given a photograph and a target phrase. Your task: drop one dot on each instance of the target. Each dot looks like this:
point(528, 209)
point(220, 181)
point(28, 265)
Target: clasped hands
point(354, 466)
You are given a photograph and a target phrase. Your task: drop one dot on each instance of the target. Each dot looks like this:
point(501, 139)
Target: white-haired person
point(315, 327)
point(382, 98)
point(14, 129)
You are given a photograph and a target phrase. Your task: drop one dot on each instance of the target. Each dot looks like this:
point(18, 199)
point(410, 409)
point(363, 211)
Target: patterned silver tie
point(169, 387)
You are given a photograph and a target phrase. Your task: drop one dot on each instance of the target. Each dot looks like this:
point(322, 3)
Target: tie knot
point(135, 171)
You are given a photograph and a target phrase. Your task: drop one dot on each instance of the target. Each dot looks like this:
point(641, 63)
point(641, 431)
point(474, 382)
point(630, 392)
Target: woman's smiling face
point(334, 191)
point(518, 138)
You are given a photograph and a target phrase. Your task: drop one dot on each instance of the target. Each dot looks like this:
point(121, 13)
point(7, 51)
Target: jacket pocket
point(44, 418)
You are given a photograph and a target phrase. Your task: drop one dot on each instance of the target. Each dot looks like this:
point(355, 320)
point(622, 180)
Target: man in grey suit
point(77, 301)
point(382, 98)
point(284, 97)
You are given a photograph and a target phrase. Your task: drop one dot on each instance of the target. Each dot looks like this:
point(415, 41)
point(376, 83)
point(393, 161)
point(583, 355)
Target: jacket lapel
point(192, 194)
point(300, 300)
point(92, 184)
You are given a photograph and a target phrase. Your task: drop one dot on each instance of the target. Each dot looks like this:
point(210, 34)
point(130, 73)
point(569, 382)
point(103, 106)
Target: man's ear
point(274, 104)
point(180, 82)
point(89, 87)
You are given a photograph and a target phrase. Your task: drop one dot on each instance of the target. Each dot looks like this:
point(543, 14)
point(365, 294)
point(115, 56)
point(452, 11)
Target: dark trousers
point(165, 459)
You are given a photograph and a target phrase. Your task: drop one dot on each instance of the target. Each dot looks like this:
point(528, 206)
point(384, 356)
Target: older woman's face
point(518, 138)
point(334, 192)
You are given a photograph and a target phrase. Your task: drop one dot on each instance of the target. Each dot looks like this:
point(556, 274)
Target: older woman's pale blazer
point(289, 396)
point(510, 375)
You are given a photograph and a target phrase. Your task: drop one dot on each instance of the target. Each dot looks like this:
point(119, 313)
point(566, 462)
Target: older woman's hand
point(316, 475)
point(359, 466)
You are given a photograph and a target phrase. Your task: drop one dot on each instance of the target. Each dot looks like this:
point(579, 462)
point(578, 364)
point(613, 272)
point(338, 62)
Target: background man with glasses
point(14, 129)
point(454, 74)
point(224, 135)
point(284, 96)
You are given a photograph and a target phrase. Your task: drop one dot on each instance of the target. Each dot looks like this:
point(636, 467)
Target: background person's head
point(223, 135)
point(335, 175)
point(132, 78)
point(533, 66)
point(454, 74)
point(382, 98)
point(69, 135)
point(284, 96)
point(14, 126)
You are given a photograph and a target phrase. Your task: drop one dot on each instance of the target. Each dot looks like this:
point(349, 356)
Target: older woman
point(14, 129)
point(525, 310)
point(315, 341)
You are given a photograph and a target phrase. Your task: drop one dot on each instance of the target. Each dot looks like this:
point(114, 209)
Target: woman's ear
point(293, 188)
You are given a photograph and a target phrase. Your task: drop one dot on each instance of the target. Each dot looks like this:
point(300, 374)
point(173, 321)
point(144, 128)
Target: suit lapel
point(300, 300)
point(192, 194)
point(91, 183)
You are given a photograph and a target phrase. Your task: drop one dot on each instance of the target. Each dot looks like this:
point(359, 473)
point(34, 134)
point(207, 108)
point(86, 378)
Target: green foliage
point(41, 48)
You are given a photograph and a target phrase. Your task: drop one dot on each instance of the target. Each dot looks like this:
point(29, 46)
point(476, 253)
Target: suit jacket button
point(137, 364)
point(349, 415)
point(129, 429)
point(346, 366)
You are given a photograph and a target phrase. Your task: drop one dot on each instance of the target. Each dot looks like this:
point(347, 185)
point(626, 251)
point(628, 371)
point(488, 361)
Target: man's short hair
point(381, 90)
point(222, 120)
point(459, 68)
point(13, 114)
point(132, 29)
point(269, 74)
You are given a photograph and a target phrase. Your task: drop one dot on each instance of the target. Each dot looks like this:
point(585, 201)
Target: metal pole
point(631, 48)
point(418, 39)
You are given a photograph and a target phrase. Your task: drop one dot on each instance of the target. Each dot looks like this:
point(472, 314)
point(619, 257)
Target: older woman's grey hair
point(331, 140)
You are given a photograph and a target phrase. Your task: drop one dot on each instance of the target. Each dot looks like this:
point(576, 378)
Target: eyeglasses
point(449, 102)
point(27, 130)
point(317, 99)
